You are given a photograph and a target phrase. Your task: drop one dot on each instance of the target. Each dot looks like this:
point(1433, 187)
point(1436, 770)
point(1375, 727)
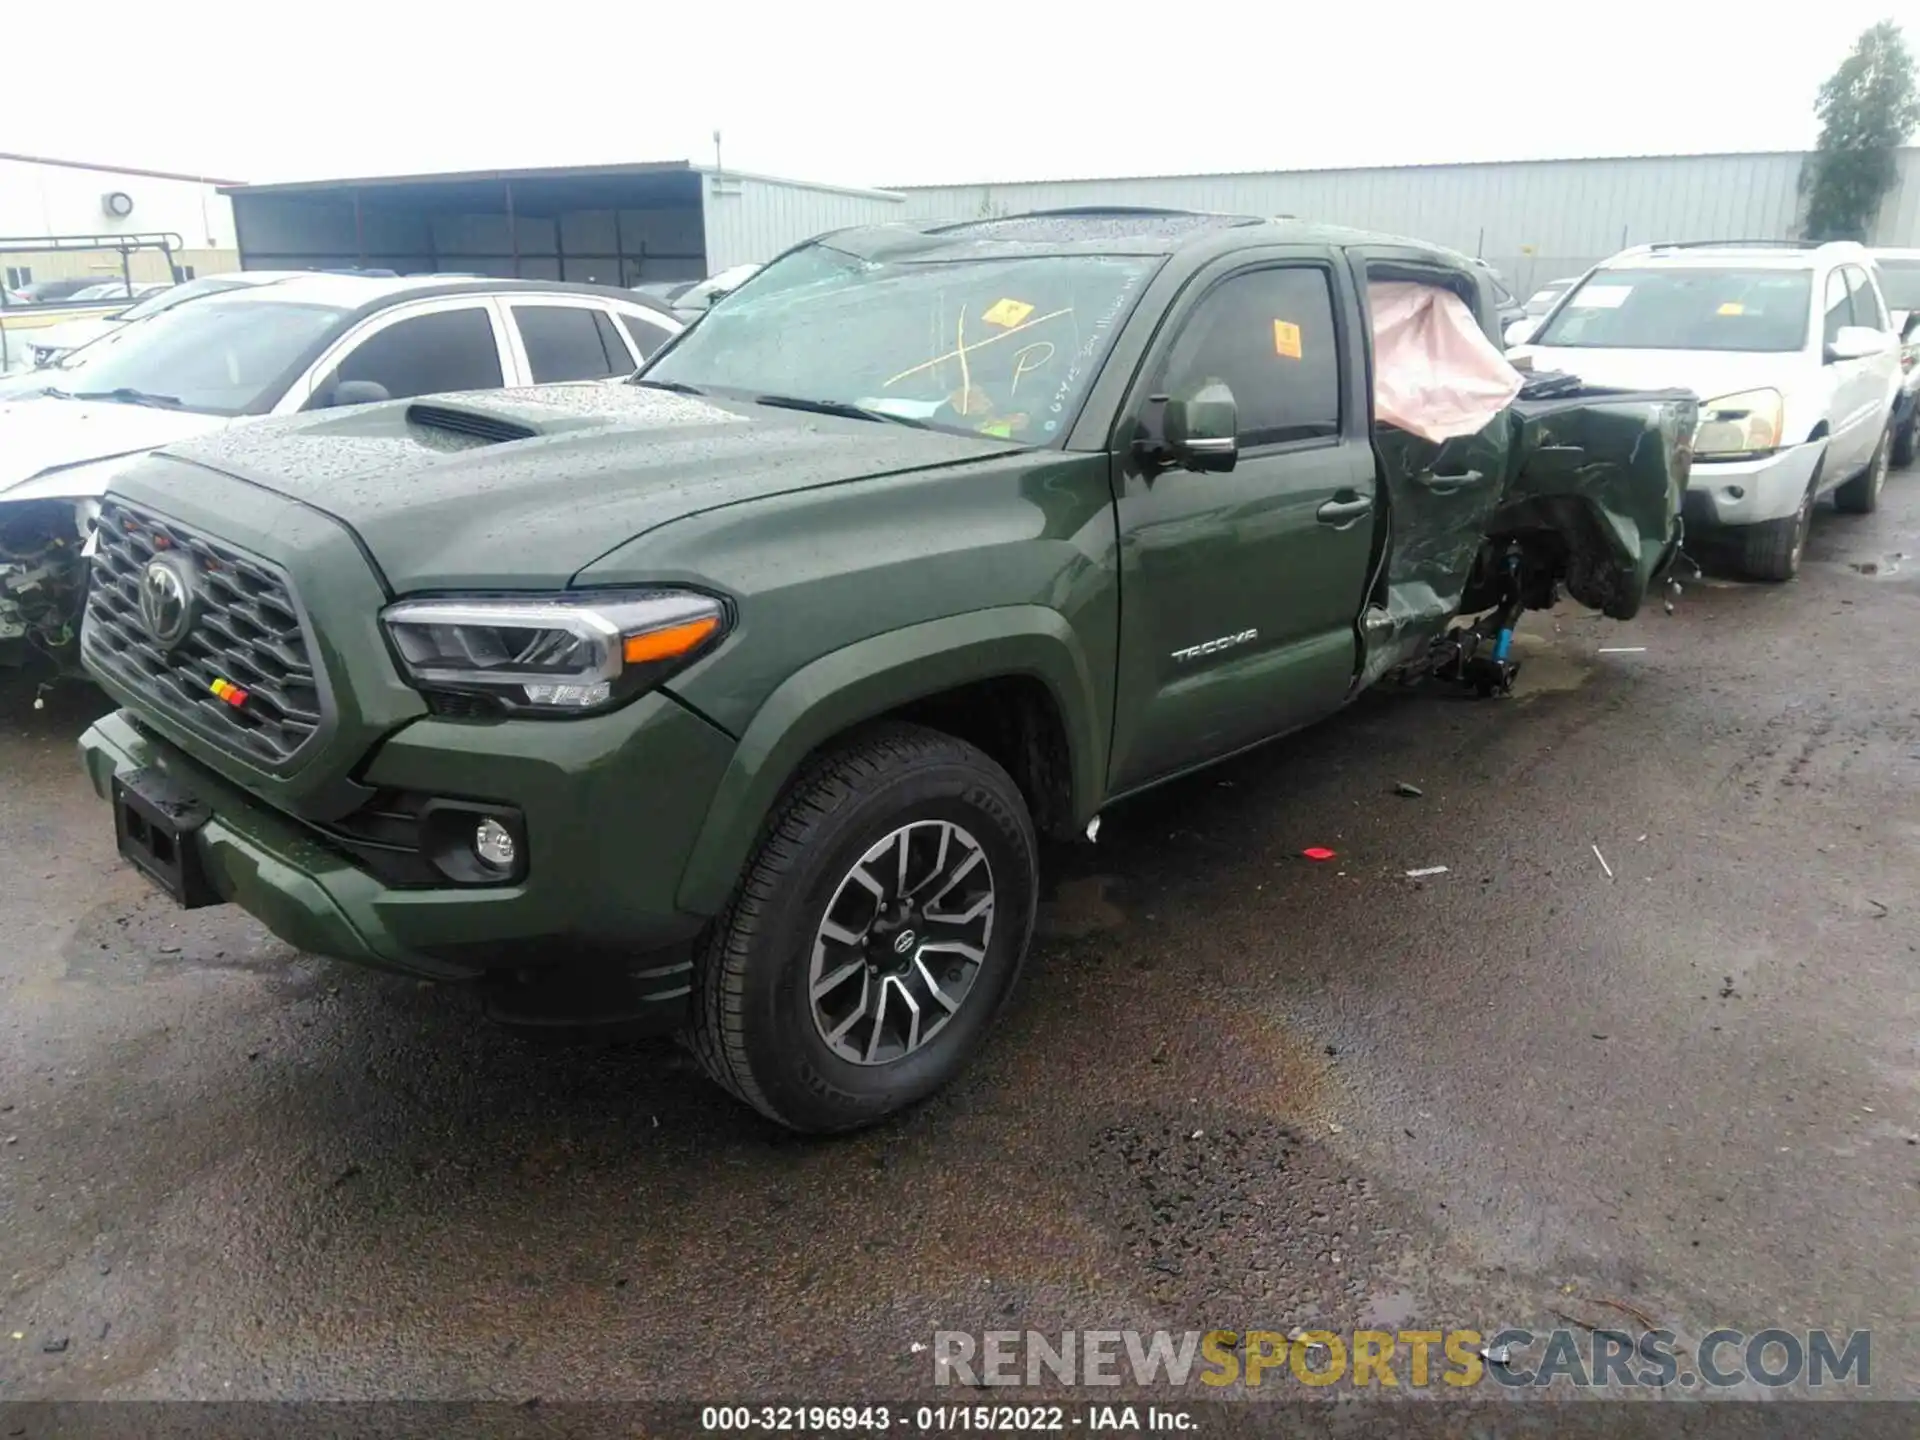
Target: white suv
point(1789, 347)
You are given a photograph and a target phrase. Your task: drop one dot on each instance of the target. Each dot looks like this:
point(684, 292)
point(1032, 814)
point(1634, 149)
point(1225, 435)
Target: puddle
point(1879, 569)
point(1080, 908)
point(1545, 667)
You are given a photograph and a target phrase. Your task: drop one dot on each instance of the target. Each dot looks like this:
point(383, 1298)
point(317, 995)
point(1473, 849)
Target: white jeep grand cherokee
point(1790, 349)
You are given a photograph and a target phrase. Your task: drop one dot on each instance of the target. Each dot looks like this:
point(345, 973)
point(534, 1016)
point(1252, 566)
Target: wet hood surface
point(569, 472)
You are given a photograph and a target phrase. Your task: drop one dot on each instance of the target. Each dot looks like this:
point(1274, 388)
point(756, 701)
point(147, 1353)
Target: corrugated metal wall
point(1535, 220)
point(752, 218)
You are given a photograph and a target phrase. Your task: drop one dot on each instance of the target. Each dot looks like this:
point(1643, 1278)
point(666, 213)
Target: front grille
point(247, 632)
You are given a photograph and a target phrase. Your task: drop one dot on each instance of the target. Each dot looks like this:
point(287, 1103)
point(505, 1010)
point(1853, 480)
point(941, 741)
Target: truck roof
point(1115, 230)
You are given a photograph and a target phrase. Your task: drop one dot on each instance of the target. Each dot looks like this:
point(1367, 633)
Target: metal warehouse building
point(1534, 220)
point(612, 224)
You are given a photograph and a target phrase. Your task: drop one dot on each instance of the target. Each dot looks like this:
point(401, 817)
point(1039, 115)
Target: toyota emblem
point(167, 599)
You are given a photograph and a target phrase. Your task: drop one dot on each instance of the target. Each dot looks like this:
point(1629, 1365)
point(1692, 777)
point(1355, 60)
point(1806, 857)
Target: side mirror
point(354, 392)
point(1857, 342)
point(1520, 332)
point(1196, 431)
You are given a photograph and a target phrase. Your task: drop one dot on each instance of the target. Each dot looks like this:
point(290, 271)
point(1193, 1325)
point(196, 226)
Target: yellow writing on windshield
point(1006, 313)
point(969, 349)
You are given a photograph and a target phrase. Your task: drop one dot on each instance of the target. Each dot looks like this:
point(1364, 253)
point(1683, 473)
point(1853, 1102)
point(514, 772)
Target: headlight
point(552, 655)
point(1744, 424)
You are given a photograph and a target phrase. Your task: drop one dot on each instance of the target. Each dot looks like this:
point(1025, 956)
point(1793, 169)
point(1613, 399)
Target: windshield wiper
point(677, 387)
point(126, 395)
point(842, 408)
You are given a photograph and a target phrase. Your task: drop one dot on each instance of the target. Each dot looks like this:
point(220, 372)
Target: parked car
point(700, 297)
point(120, 290)
point(54, 343)
point(1790, 347)
point(54, 290)
point(1899, 274)
point(734, 696)
point(306, 343)
point(1542, 300)
point(1506, 306)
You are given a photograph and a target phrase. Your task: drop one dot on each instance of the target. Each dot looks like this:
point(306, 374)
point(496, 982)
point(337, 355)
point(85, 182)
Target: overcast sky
point(909, 92)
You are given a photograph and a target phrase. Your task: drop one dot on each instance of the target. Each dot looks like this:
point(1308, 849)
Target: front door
point(1239, 591)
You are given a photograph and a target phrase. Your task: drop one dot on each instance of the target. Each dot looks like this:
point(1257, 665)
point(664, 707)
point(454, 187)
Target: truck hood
point(42, 436)
point(522, 489)
point(1707, 373)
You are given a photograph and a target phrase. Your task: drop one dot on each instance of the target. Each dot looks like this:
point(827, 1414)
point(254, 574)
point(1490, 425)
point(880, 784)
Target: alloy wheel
point(901, 943)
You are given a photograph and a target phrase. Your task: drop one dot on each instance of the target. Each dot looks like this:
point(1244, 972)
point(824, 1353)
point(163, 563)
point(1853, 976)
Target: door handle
point(1339, 512)
point(1454, 483)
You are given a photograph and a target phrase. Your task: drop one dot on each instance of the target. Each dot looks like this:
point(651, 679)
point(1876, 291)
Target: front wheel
point(1861, 495)
point(874, 936)
point(1772, 551)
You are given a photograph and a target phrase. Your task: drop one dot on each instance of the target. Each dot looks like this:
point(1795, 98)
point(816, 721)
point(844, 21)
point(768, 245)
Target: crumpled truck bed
point(1599, 475)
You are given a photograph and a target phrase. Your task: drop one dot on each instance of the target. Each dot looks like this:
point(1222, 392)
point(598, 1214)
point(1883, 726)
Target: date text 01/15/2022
point(941, 1419)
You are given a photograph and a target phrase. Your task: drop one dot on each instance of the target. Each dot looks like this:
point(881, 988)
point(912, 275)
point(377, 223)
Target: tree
point(1867, 109)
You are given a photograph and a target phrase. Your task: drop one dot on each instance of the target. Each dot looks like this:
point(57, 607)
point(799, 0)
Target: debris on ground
point(1497, 1354)
point(55, 1346)
point(1429, 870)
point(1317, 852)
point(1412, 792)
point(1622, 650)
point(1603, 862)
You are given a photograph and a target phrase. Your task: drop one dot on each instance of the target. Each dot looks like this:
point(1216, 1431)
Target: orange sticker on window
point(1286, 339)
point(1733, 307)
point(1006, 313)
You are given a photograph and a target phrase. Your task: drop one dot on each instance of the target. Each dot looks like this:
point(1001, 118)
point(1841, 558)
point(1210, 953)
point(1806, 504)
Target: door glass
point(1867, 309)
point(618, 355)
point(427, 355)
point(1269, 335)
point(563, 343)
point(646, 335)
point(1839, 308)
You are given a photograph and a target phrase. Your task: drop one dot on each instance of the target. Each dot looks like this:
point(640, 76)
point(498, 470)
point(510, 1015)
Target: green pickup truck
point(736, 696)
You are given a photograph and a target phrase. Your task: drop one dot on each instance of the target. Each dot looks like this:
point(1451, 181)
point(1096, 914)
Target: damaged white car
point(302, 344)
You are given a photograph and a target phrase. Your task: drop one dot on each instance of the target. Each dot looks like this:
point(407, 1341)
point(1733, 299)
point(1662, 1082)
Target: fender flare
point(871, 677)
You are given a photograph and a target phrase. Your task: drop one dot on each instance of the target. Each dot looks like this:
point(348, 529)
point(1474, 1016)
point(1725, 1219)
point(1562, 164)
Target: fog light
point(1735, 492)
point(493, 843)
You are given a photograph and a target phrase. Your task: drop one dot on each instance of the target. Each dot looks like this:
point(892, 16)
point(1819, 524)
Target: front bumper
point(611, 807)
point(1751, 492)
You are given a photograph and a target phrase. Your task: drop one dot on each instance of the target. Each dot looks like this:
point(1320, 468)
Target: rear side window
point(646, 335)
point(1867, 309)
point(1269, 335)
point(427, 355)
point(613, 343)
point(563, 342)
point(1839, 308)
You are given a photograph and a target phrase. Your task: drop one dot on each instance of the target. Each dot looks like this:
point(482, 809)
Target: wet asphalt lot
point(1236, 1090)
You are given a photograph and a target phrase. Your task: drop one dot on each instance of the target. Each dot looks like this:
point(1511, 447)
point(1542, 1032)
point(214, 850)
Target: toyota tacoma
point(736, 696)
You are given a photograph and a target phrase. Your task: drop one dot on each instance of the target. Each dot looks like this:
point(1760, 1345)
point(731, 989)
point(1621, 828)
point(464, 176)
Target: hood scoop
point(474, 425)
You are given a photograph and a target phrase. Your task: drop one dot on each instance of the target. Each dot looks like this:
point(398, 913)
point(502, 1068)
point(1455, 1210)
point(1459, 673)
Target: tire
point(1772, 551)
point(1902, 455)
point(758, 1026)
point(1861, 495)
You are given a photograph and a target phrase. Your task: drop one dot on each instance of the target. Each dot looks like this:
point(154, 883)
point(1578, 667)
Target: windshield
point(1900, 283)
point(171, 296)
point(1542, 299)
point(1685, 308)
point(995, 346)
point(224, 356)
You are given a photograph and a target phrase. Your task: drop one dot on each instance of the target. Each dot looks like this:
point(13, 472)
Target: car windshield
point(1685, 308)
point(1900, 283)
point(174, 294)
point(998, 346)
point(1542, 299)
point(223, 356)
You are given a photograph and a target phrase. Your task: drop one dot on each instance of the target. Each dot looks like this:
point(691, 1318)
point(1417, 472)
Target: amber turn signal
point(668, 644)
